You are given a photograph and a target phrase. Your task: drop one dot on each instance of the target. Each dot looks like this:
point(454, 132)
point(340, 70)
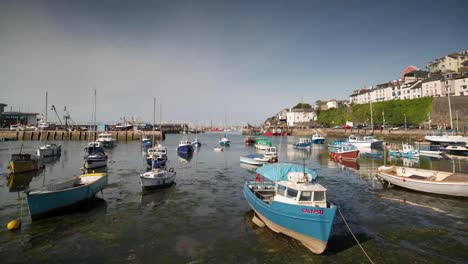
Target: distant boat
point(457, 150)
point(63, 194)
point(445, 138)
point(293, 203)
point(249, 140)
point(271, 153)
point(23, 163)
point(365, 142)
point(185, 146)
point(218, 149)
point(157, 178)
point(106, 140)
point(262, 143)
point(344, 152)
point(254, 159)
point(304, 143)
point(407, 151)
point(317, 138)
point(49, 150)
point(224, 141)
point(429, 181)
point(95, 156)
point(147, 140)
point(196, 143)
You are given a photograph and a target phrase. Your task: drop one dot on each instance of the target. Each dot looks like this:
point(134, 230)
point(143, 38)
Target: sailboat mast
point(160, 123)
point(371, 119)
point(46, 106)
point(154, 117)
point(95, 128)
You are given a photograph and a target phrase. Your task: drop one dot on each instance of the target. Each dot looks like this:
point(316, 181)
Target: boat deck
point(456, 177)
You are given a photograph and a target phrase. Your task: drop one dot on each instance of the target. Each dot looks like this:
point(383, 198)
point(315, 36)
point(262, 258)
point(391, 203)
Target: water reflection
point(249, 167)
point(20, 181)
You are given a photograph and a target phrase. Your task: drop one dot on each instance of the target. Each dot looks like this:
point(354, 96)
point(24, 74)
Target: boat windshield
point(319, 196)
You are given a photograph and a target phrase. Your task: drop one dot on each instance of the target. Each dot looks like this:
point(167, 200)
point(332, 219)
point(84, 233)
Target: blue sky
point(204, 60)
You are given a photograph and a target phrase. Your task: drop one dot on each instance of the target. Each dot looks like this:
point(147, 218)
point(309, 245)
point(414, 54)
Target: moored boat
point(304, 143)
point(429, 181)
point(365, 142)
point(63, 194)
point(23, 163)
point(196, 143)
point(106, 140)
point(407, 151)
point(444, 138)
point(49, 150)
point(254, 159)
point(147, 140)
point(457, 150)
point(317, 138)
point(293, 204)
point(249, 140)
point(95, 156)
point(157, 178)
point(224, 141)
point(344, 152)
point(185, 146)
point(262, 143)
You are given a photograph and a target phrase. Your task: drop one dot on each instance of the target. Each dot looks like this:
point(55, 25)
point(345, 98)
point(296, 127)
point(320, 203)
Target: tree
point(302, 106)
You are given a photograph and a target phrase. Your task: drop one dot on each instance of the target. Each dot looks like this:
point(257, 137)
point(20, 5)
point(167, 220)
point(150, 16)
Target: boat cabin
point(94, 147)
point(304, 140)
point(185, 142)
point(298, 190)
point(20, 157)
point(105, 136)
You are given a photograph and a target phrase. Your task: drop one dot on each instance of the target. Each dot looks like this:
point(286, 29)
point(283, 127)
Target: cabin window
point(291, 193)
point(319, 196)
point(281, 190)
point(305, 196)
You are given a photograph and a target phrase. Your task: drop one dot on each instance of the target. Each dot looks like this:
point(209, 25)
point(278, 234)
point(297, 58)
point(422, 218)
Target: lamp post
point(405, 120)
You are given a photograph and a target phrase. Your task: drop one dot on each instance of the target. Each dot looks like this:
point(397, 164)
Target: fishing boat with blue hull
point(317, 138)
point(147, 140)
point(304, 143)
point(185, 146)
point(292, 203)
point(407, 151)
point(156, 156)
point(107, 140)
point(61, 195)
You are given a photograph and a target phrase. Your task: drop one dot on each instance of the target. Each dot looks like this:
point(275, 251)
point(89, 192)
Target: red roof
point(409, 69)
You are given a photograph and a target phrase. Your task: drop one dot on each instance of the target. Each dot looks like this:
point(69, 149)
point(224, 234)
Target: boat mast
point(154, 117)
point(46, 106)
point(371, 119)
point(95, 128)
point(160, 123)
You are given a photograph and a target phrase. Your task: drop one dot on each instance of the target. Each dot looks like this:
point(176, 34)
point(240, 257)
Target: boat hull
point(155, 183)
point(24, 166)
point(49, 152)
point(92, 163)
point(302, 145)
point(159, 163)
point(254, 161)
point(310, 225)
point(224, 143)
point(444, 188)
point(318, 140)
point(43, 203)
point(185, 149)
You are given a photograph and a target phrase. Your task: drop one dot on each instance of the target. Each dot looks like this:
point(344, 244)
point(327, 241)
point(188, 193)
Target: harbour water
point(204, 217)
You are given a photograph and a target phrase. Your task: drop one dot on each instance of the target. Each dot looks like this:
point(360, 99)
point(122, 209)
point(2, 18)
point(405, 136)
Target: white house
point(332, 104)
point(297, 116)
point(461, 86)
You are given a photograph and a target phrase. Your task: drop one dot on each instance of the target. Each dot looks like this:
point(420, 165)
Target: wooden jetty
point(120, 136)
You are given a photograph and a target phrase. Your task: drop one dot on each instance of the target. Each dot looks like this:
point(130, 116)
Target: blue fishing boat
point(63, 194)
point(292, 203)
point(407, 151)
point(185, 146)
point(304, 143)
point(147, 140)
point(317, 138)
point(156, 156)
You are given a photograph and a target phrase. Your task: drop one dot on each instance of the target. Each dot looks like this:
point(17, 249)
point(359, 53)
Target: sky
point(212, 62)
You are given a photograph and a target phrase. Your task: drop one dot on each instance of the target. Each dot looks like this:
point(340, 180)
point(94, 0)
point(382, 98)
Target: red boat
point(344, 152)
point(249, 140)
point(268, 134)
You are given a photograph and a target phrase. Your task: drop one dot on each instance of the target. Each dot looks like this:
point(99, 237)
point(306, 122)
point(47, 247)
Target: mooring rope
point(359, 244)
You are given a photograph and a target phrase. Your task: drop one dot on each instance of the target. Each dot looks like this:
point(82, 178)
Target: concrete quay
point(120, 136)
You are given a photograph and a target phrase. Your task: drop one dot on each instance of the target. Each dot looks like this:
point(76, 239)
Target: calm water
point(204, 218)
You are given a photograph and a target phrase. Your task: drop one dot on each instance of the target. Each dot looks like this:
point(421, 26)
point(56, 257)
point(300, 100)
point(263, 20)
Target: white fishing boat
point(457, 150)
point(429, 181)
point(446, 139)
point(365, 142)
point(270, 152)
point(157, 178)
point(106, 140)
point(49, 150)
point(254, 159)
